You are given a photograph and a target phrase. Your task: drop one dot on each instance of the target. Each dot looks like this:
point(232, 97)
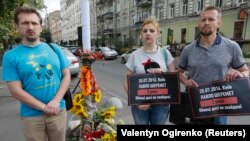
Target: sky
point(52, 5)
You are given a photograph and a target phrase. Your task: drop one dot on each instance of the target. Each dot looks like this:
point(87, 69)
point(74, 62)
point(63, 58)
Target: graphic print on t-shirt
point(41, 70)
point(149, 64)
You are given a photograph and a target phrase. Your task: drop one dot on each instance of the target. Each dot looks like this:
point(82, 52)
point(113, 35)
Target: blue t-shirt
point(39, 69)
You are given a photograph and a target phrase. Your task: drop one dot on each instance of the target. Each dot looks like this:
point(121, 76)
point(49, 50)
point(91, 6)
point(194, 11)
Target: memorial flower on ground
point(104, 125)
point(84, 105)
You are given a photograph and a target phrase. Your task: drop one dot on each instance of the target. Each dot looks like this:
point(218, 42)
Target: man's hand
point(232, 74)
point(190, 83)
point(52, 108)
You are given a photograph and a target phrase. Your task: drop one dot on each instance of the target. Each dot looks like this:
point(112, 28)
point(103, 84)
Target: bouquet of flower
point(104, 125)
point(88, 57)
point(84, 101)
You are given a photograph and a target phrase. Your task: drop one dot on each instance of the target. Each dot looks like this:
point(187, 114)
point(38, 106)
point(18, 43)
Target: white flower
point(114, 101)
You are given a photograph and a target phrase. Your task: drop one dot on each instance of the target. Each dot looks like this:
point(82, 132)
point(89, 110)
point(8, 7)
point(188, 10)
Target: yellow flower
point(97, 96)
point(109, 113)
point(109, 137)
point(105, 137)
point(110, 121)
point(112, 108)
point(113, 136)
point(82, 112)
point(77, 98)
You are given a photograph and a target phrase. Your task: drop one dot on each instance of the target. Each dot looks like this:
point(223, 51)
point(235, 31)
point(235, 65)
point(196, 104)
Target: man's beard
point(31, 39)
point(206, 33)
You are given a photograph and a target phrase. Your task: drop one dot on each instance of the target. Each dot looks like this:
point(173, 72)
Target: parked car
point(108, 53)
point(74, 62)
point(124, 56)
point(73, 50)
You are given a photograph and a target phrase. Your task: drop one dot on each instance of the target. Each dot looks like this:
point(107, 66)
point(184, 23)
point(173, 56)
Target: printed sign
point(221, 98)
point(153, 88)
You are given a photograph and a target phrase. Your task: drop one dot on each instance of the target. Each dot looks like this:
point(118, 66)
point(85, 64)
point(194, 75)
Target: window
point(200, 5)
point(144, 15)
point(197, 33)
point(183, 35)
point(134, 19)
point(184, 7)
point(171, 12)
point(238, 30)
point(170, 36)
point(242, 1)
point(118, 23)
point(139, 16)
point(118, 6)
point(160, 13)
point(219, 3)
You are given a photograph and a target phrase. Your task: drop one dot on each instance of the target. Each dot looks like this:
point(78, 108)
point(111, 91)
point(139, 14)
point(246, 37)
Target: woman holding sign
point(149, 59)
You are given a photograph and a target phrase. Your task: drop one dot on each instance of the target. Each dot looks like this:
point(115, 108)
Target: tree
point(46, 35)
point(7, 9)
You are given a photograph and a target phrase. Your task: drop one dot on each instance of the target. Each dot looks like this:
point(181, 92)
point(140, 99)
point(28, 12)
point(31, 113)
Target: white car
point(108, 53)
point(124, 57)
point(74, 62)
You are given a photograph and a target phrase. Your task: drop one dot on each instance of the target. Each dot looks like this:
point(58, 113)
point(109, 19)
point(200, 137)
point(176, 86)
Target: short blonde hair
point(151, 21)
point(208, 8)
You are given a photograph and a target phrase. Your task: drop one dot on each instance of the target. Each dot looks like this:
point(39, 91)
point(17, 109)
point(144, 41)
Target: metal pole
point(245, 27)
point(85, 25)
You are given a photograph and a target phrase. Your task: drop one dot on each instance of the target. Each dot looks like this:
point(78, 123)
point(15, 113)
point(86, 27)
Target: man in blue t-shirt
point(38, 77)
point(211, 58)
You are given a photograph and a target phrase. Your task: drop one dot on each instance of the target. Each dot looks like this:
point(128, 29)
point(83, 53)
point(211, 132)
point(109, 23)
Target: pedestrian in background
point(149, 59)
point(38, 77)
point(211, 57)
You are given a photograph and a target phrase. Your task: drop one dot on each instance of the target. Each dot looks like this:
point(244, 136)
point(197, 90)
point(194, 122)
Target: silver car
point(74, 62)
point(108, 53)
point(124, 56)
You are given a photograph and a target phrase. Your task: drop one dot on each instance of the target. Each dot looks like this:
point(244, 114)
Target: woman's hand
point(190, 83)
point(155, 70)
point(143, 107)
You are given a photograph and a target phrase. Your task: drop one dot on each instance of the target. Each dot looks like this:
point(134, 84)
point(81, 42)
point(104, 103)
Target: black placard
point(153, 88)
point(221, 98)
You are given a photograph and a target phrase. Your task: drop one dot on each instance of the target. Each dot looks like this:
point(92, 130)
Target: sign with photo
point(221, 98)
point(151, 88)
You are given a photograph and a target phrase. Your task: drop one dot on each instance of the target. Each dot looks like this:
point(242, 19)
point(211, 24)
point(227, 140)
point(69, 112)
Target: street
point(110, 78)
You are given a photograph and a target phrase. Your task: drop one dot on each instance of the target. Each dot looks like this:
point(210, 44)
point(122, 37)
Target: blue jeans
point(155, 115)
point(221, 120)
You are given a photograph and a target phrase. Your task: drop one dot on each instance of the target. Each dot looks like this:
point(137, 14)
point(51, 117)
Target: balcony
point(99, 32)
point(108, 31)
point(108, 15)
point(138, 24)
point(100, 17)
point(99, 2)
point(143, 3)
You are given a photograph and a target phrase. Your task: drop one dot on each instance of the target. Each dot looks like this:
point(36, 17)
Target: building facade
point(70, 21)
point(122, 19)
point(55, 26)
point(179, 19)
